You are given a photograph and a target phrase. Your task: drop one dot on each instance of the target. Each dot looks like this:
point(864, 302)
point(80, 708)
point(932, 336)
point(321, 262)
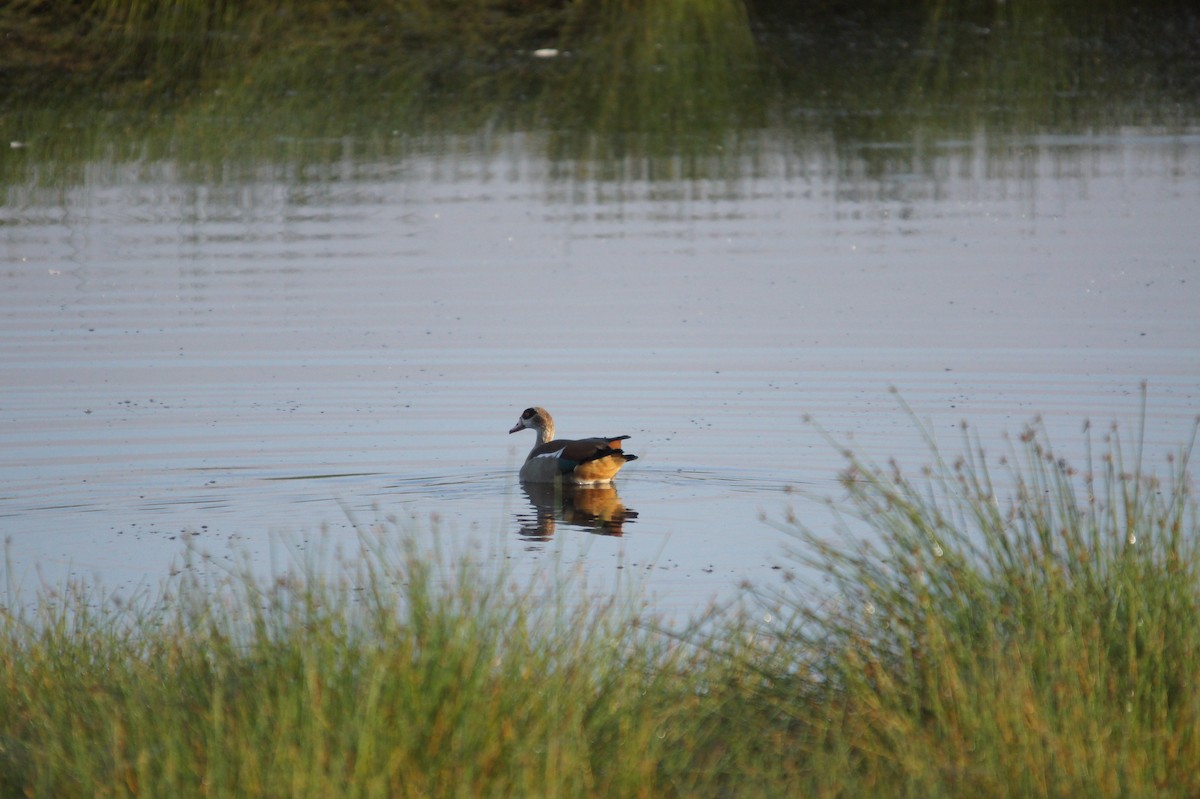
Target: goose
point(584, 460)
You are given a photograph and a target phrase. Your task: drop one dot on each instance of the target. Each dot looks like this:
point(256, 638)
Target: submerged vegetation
point(1032, 633)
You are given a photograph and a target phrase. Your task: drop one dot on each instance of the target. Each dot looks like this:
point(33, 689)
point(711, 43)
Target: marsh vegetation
point(1032, 633)
point(682, 87)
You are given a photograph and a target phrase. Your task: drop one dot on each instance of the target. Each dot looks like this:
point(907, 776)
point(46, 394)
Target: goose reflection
point(595, 508)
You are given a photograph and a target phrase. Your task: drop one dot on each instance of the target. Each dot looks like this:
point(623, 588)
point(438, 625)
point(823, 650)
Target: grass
point(1039, 646)
point(994, 626)
point(668, 90)
point(678, 59)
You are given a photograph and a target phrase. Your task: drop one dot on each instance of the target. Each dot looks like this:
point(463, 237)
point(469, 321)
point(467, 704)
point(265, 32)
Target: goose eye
point(529, 413)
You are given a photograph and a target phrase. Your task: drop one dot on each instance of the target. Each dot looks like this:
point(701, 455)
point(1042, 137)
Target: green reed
point(673, 89)
point(373, 677)
point(1007, 626)
point(994, 626)
point(639, 60)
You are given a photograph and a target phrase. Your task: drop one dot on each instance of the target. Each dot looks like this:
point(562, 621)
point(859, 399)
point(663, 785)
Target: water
point(253, 363)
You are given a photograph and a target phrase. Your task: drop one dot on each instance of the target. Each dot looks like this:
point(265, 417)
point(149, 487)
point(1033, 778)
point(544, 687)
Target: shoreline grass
point(994, 626)
point(667, 90)
point(1046, 644)
point(166, 50)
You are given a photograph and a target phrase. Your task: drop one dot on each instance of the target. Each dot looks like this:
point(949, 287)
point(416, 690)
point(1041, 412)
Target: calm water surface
point(259, 363)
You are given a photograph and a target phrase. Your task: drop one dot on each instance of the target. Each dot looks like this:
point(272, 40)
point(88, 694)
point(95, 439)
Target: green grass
point(639, 61)
point(1041, 645)
point(995, 626)
point(666, 90)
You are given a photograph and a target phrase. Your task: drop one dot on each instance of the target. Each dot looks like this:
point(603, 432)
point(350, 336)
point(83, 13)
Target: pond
point(262, 354)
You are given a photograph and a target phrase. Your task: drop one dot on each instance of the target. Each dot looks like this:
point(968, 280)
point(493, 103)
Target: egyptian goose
point(586, 460)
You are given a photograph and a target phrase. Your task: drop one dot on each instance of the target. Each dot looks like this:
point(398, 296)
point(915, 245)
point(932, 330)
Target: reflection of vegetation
point(1045, 646)
point(671, 88)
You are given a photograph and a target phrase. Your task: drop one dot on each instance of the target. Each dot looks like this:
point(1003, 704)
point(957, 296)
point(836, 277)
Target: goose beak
point(517, 426)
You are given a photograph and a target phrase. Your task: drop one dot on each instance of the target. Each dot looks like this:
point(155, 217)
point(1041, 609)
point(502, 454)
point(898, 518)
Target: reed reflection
point(595, 508)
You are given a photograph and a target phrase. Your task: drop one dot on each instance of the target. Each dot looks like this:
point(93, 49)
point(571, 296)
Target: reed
point(676, 89)
point(169, 47)
point(374, 677)
point(1006, 627)
point(995, 626)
